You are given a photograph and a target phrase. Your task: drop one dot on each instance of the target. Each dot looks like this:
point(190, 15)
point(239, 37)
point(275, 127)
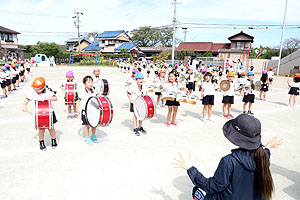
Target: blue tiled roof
point(93, 47)
point(126, 45)
point(109, 34)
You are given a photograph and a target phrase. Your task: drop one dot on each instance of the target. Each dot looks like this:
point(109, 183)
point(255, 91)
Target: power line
point(214, 24)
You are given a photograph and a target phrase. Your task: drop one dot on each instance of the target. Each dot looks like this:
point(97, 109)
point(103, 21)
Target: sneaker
point(88, 141)
point(94, 139)
point(174, 123)
point(230, 115)
point(250, 112)
point(244, 112)
point(136, 132)
point(53, 143)
point(226, 116)
point(204, 120)
point(141, 129)
point(69, 117)
point(168, 124)
point(210, 120)
point(42, 145)
point(75, 115)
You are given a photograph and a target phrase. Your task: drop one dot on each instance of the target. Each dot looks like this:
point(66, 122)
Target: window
point(8, 37)
point(240, 45)
point(2, 36)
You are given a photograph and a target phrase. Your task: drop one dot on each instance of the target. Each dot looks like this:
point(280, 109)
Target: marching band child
point(159, 81)
point(83, 96)
point(8, 78)
point(264, 85)
point(228, 96)
point(242, 82)
point(249, 95)
point(96, 72)
point(208, 92)
point(190, 80)
point(22, 72)
point(294, 89)
point(131, 79)
point(136, 90)
point(3, 81)
point(270, 75)
point(172, 86)
point(14, 74)
point(40, 93)
point(70, 79)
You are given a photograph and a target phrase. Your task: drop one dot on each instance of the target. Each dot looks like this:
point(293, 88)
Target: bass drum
point(102, 86)
point(98, 111)
point(144, 108)
point(43, 115)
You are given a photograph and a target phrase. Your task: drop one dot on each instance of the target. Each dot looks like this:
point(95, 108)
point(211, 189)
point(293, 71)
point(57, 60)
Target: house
point(239, 43)
point(72, 44)
point(9, 44)
point(110, 40)
point(131, 48)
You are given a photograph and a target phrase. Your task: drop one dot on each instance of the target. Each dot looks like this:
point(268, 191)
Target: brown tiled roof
point(203, 46)
point(6, 30)
point(240, 33)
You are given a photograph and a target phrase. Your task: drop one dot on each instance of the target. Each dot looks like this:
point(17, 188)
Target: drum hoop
point(50, 115)
point(146, 108)
point(154, 106)
point(111, 109)
point(36, 112)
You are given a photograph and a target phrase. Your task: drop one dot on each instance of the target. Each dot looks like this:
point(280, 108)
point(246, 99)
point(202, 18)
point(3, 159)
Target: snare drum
point(70, 93)
point(181, 97)
point(171, 96)
point(191, 99)
point(144, 108)
point(43, 115)
point(98, 111)
point(102, 86)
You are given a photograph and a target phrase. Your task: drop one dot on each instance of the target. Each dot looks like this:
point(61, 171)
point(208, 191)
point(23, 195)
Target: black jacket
point(234, 179)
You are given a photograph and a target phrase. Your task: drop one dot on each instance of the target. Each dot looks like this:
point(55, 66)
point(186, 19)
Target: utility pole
point(77, 25)
point(185, 31)
point(282, 35)
point(174, 31)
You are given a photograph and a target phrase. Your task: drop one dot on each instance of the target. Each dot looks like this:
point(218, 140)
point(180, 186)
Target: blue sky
point(32, 16)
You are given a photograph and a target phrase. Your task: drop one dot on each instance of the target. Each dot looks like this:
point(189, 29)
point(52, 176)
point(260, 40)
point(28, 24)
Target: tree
point(179, 55)
point(90, 34)
point(147, 36)
point(291, 45)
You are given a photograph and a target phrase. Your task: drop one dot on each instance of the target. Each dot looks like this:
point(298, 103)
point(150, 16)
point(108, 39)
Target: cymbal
point(225, 85)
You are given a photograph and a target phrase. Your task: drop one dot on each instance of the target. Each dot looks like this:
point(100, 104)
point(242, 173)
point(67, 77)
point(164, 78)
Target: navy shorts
point(249, 98)
point(228, 100)
point(208, 100)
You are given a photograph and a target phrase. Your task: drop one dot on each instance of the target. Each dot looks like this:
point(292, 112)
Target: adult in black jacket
point(242, 175)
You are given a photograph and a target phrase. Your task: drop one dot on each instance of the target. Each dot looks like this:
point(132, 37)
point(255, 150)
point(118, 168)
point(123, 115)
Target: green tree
point(179, 55)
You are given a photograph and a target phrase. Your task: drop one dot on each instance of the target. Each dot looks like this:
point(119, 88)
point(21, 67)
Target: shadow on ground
point(292, 190)
point(47, 137)
point(101, 135)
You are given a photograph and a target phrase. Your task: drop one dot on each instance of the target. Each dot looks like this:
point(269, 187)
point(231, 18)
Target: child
point(242, 82)
point(249, 96)
point(131, 79)
point(172, 86)
point(228, 96)
point(136, 90)
point(264, 85)
point(244, 173)
point(8, 78)
point(14, 74)
point(70, 79)
point(96, 72)
point(3, 81)
point(40, 93)
point(159, 81)
point(22, 72)
point(294, 90)
point(270, 75)
point(208, 92)
point(190, 80)
point(83, 96)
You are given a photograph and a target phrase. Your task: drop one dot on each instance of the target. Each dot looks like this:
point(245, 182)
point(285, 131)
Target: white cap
point(95, 68)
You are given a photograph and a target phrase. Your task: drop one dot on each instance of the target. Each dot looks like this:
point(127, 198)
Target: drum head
point(140, 108)
point(257, 85)
point(225, 85)
point(92, 111)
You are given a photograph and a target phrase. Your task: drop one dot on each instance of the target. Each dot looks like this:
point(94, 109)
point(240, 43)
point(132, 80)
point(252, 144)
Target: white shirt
point(63, 84)
point(242, 80)
point(2, 76)
point(208, 88)
point(230, 92)
point(8, 74)
point(14, 73)
point(135, 92)
point(249, 90)
point(83, 96)
point(294, 84)
point(190, 78)
point(159, 80)
point(270, 74)
point(131, 80)
point(39, 97)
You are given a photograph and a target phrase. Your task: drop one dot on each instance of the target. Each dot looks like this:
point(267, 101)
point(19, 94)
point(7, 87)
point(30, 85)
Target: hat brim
point(239, 139)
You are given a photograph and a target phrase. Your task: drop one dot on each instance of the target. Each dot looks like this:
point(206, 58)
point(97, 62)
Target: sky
point(51, 20)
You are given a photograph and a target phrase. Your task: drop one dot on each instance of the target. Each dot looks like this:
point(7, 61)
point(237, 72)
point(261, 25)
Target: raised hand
point(184, 163)
point(274, 143)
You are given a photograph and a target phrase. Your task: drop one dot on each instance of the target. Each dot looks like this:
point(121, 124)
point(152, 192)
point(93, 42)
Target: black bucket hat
point(243, 131)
